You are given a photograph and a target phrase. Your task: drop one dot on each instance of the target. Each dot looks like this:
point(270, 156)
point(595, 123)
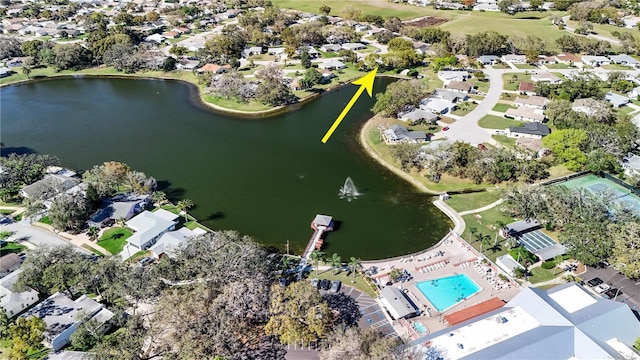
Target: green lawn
point(539, 275)
point(558, 66)
point(115, 239)
point(357, 282)
point(470, 201)
point(11, 247)
point(504, 140)
point(482, 86)
point(496, 122)
point(485, 224)
point(45, 220)
point(465, 108)
point(6, 211)
point(93, 250)
point(512, 81)
point(500, 107)
point(526, 66)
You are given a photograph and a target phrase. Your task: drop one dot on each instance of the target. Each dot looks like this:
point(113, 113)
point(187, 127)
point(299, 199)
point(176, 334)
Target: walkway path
point(473, 211)
point(565, 19)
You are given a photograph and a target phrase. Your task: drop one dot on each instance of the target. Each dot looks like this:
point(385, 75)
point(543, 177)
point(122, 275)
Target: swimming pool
point(445, 292)
point(420, 327)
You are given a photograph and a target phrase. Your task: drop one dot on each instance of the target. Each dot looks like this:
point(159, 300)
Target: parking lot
point(629, 288)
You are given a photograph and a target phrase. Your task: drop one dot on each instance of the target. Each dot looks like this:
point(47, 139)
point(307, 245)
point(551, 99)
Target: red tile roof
point(473, 311)
point(527, 86)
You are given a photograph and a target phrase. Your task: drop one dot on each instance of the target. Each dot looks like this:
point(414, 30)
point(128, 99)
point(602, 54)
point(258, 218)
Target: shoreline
point(199, 100)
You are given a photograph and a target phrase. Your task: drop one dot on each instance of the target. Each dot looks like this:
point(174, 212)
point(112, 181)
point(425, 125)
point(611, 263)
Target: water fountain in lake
point(348, 190)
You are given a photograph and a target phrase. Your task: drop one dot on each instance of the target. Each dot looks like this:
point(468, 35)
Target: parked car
point(5, 220)
point(612, 293)
point(601, 288)
point(315, 283)
point(325, 284)
point(595, 282)
point(335, 286)
point(146, 261)
point(445, 128)
point(482, 147)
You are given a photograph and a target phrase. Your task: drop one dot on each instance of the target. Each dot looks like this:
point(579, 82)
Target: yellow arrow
point(365, 82)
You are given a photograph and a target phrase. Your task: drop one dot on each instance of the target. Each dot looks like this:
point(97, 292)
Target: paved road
point(630, 289)
point(593, 36)
point(34, 235)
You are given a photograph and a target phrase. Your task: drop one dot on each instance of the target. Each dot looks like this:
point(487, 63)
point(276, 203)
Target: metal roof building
point(565, 322)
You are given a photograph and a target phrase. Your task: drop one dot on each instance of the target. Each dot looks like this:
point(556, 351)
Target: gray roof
point(322, 220)
point(449, 95)
point(418, 114)
point(487, 58)
point(114, 210)
point(12, 301)
point(532, 128)
point(561, 323)
point(69, 355)
point(396, 301)
point(615, 99)
point(522, 226)
point(168, 242)
point(623, 59)
point(9, 261)
point(399, 132)
point(50, 181)
point(551, 252)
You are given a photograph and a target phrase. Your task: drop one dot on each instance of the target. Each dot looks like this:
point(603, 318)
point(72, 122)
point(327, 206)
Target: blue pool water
point(420, 327)
point(445, 292)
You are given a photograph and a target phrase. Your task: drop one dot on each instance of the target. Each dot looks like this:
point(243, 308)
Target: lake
point(267, 177)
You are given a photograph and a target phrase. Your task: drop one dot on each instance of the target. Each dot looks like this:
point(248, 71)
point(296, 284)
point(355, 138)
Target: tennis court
point(622, 197)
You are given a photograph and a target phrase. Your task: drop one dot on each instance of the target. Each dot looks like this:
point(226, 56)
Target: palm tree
point(485, 240)
point(159, 198)
point(93, 233)
point(316, 256)
point(354, 265)
point(336, 261)
point(122, 222)
point(27, 71)
point(286, 263)
point(184, 205)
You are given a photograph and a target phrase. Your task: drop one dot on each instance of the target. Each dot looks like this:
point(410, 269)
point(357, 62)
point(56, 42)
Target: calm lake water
point(264, 177)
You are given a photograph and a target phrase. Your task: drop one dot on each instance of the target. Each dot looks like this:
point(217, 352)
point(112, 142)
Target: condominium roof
point(473, 311)
point(397, 303)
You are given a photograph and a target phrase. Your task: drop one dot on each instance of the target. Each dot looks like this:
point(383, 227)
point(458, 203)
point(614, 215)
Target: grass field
point(512, 81)
point(504, 140)
point(465, 108)
point(500, 107)
point(115, 239)
point(496, 122)
point(357, 282)
point(10, 247)
point(464, 202)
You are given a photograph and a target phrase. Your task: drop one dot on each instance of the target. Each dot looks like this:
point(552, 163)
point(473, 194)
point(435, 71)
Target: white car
point(601, 288)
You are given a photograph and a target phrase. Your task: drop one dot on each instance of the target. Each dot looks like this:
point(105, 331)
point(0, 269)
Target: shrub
point(548, 265)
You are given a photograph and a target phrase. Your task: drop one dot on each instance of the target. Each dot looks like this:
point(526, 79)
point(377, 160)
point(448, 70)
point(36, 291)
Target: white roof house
point(533, 102)
point(546, 77)
point(595, 61)
point(437, 106)
point(148, 227)
point(616, 100)
point(354, 46)
point(631, 164)
point(565, 322)
point(456, 75)
point(525, 114)
point(397, 303)
point(514, 58)
point(508, 264)
point(169, 242)
point(332, 64)
point(61, 316)
point(624, 59)
point(418, 115)
point(14, 302)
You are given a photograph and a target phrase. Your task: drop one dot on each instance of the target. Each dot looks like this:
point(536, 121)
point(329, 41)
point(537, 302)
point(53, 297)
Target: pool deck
point(451, 256)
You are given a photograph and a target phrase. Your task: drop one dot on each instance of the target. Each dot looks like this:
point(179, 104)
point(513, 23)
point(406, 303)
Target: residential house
point(453, 75)
point(624, 59)
point(437, 106)
point(277, 51)
point(514, 59)
point(331, 47)
point(171, 34)
point(354, 46)
point(565, 322)
point(634, 93)
point(460, 86)
point(616, 100)
point(156, 38)
point(12, 301)
point(9, 263)
point(534, 145)
point(527, 88)
point(313, 53)
point(533, 102)
point(62, 316)
point(595, 61)
point(251, 51)
point(448, 5)
point(332, 64)
point(486, 7)
point(587, 106)
point(452, 96)
point(488, 59)
point(398, 133)
point(327, 75)
point(569, 59)
point(50, 186)
point(417, 116)
point(169, 242)
point(187, 65)
point(214, 68)
point(113, 210)
point(533, 130)
point(546, 77)
point(525, 114)
point(149, 226)
point(631, 165)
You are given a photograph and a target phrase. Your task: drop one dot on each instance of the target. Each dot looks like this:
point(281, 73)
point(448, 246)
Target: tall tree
point(184, 205)
point(355, 264)
point(298, 314)
point(316, 257)
point(626, 248)
point(399, 95)
point(336, 262)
